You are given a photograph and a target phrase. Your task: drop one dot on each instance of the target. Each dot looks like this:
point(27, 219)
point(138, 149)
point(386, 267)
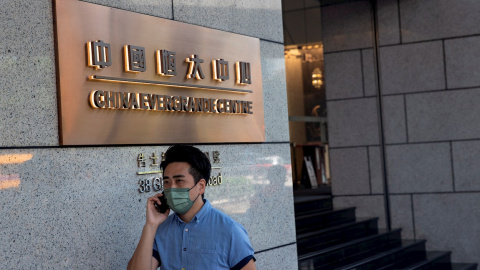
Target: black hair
point(200, 166)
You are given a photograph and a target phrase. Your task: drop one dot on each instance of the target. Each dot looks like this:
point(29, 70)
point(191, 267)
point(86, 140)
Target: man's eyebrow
point(175, 176)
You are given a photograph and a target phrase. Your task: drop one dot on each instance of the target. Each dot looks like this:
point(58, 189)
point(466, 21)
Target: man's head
point(200, 166)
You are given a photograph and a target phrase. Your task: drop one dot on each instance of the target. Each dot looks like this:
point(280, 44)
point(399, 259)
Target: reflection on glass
point(12, 180)
point(269, 177)
point(9, 181)
point(15, 158)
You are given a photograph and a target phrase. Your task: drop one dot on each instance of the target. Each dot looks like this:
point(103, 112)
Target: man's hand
point(155, 218)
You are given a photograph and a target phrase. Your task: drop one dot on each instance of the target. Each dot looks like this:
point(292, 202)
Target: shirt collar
point(203, 211)
point(200, 215)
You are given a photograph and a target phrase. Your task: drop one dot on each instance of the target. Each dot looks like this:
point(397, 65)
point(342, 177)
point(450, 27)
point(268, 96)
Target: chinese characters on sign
point(98, 55)
point(134, 58)
point(142, 161)
point(243, 73)
point(156, 183)
point(166, 63)
point(220, 70)
point(195, 70)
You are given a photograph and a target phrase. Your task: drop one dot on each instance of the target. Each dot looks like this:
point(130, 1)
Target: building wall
point(429, 77)
point(79, 207)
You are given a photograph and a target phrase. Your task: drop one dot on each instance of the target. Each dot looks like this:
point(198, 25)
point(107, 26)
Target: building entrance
point(304, 65)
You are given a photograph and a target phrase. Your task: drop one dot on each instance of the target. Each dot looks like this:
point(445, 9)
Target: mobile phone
point(162, 208)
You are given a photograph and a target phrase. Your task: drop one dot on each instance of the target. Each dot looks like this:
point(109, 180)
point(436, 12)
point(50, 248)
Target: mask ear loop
point(193, 186)
point(191, 189)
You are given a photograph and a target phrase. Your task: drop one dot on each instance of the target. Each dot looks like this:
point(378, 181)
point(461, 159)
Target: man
point(197, 236)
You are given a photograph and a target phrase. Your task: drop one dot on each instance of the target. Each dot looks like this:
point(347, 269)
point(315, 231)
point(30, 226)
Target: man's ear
point(203, 184)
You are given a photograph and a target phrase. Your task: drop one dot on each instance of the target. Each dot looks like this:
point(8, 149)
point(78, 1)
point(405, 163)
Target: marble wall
point(79, 207)
point(428, 65)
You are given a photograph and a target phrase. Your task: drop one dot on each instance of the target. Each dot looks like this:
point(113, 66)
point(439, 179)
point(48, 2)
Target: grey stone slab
point(466, 157)
point(274, 92)
point(412, 68)
point(366, 206)
point(446, 115)
point(436, 19)
point(80, 207)
point(462, 57)
point(262, 19)
point(388, 22)
point(394, 123)
point(402, 215)
point(155, 8)
point(369, 74)
point(28, 106)
point(419, 168)
point(343, 75)
point(347, 26)
point(449, 222)
point(349, 171)
point(353, 122)
point(279, 258)
point(375, 166)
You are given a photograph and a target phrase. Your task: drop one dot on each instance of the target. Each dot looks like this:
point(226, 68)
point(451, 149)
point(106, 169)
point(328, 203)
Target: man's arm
point(250, 265)
point(142, 258)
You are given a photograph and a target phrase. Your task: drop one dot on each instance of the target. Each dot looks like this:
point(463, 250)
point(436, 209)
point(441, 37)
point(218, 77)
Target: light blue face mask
point(179, 199)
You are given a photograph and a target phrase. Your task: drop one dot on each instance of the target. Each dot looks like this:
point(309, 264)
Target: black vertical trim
point(369, 171)
point(363, 73)
point(57, 73)
point(381, 131)
point(173, 12)
point(406, 117)
point(453, 168)
point(413, 217)
point(399, 22)
point(293, 155)
point(445, 64)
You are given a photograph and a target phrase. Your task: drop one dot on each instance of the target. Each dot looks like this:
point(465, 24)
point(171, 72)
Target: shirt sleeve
point(155, 252)
point(241, 251)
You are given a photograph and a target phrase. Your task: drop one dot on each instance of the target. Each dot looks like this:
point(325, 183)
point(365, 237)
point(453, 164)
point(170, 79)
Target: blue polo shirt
point(211, 240)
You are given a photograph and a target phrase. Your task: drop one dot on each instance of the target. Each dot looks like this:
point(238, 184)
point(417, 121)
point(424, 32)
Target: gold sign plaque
point(129, 78)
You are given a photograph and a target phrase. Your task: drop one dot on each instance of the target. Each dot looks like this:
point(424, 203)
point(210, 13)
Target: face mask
point(179, 199)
